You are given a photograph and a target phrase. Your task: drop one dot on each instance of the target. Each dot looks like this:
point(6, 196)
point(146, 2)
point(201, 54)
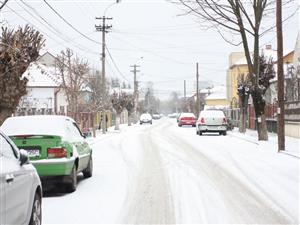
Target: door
point(81, 145)
point(16, 183)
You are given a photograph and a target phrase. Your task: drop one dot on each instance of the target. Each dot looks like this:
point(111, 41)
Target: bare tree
point(243, 93)
point(129, 105)
point(73, 72)
point(242, 18)
point(118, 101)
point(18, 48)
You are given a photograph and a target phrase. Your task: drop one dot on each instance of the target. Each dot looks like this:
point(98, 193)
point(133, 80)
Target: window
point(77, 132)
point(6, 150)
point(73, 131)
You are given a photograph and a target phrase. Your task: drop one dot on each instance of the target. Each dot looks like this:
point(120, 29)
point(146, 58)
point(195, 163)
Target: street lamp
point(109, 6)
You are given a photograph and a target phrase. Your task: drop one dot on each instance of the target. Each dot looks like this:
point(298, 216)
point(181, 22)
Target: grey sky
point(169, 44)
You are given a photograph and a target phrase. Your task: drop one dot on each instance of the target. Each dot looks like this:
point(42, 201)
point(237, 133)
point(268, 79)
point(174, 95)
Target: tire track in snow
point(150, 200)
point(244, 205)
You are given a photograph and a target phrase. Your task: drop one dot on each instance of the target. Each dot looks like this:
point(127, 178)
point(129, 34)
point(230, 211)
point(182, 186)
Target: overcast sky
point(170, 44)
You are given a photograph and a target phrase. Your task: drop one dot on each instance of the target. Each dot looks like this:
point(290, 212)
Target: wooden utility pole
point(280, 79)
point(104, 29)
point(135, 90)
point(197, 91)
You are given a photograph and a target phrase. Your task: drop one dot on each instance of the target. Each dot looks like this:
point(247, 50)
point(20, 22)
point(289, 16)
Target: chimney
point(268, 47)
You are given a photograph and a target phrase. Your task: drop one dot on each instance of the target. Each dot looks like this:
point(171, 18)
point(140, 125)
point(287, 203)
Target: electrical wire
point(114, 63)
point(43, 32)
point(69, 24)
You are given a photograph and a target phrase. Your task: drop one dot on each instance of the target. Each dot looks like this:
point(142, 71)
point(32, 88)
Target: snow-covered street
point(164, 174)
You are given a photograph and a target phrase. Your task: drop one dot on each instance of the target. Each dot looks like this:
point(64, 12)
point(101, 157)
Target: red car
point(187, 119)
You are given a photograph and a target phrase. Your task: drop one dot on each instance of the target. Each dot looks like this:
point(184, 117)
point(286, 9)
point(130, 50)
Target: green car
point(55, 146)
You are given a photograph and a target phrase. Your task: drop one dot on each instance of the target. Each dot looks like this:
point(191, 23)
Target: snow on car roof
point(38, 124)
point(212, 113)
point(146, 115)
point(187, 115)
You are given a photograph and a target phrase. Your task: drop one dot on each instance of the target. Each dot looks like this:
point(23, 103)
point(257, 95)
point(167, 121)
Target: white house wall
point(61, 102)
point(39, 98)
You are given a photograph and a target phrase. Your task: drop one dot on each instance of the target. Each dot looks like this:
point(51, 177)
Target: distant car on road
point(173, 115)
point(187, 119)
point(211, 121)
point(145, 118)
point(20, 186)
point(156, 116)
point(55, 145)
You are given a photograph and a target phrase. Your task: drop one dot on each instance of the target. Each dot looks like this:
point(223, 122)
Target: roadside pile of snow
point(292, 145)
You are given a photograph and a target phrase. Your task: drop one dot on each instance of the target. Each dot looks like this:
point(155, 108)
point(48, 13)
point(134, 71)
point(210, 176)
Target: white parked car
point(156, 116)
point(211, 121)
point(20, 186)
point(145, 118)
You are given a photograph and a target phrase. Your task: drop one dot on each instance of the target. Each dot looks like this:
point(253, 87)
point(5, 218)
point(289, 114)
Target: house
point(238, 67)
point(42, 88)
point(217, 98)
point(47, 59)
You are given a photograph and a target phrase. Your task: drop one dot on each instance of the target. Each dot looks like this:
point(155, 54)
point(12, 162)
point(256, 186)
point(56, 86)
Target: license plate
point(33, 152)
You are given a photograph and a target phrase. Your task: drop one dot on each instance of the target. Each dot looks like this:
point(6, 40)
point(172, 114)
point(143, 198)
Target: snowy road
point(164, 174)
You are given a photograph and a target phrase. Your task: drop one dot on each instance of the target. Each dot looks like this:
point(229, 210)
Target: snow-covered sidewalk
point(292, 145)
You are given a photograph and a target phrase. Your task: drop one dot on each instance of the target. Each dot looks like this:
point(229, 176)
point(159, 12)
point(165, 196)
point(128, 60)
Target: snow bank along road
point(161, 173)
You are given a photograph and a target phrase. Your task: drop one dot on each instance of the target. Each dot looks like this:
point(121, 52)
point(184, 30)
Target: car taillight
point(202, 120)
point(224, 120)
point(57, 153)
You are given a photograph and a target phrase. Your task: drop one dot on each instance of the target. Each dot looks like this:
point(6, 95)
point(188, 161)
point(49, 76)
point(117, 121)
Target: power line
point(69, 24)
point(114, 63)
point(45, 33)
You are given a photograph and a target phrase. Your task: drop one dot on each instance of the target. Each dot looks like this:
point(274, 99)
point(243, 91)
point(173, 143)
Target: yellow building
point(238, 67)
point(217, 98)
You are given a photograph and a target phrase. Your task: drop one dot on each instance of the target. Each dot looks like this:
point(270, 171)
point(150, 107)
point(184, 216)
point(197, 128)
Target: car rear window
point(212, 113)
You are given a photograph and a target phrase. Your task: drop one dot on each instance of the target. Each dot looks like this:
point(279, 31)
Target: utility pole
point(280, 78)
point(104, 29)
point(184, 94)
point(197, 91)
point(135, 90)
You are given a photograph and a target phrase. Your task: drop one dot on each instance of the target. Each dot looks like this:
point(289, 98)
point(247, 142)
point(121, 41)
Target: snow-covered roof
point(187, 115)
point(217, 92)
point(267, 51)
point(39, 75)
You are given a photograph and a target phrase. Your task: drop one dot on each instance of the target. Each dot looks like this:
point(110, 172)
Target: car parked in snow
point(55, 145)
point(20, 186)
point(156, 116)
point(145, 118)
point(211, 121)
point(187, 119)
